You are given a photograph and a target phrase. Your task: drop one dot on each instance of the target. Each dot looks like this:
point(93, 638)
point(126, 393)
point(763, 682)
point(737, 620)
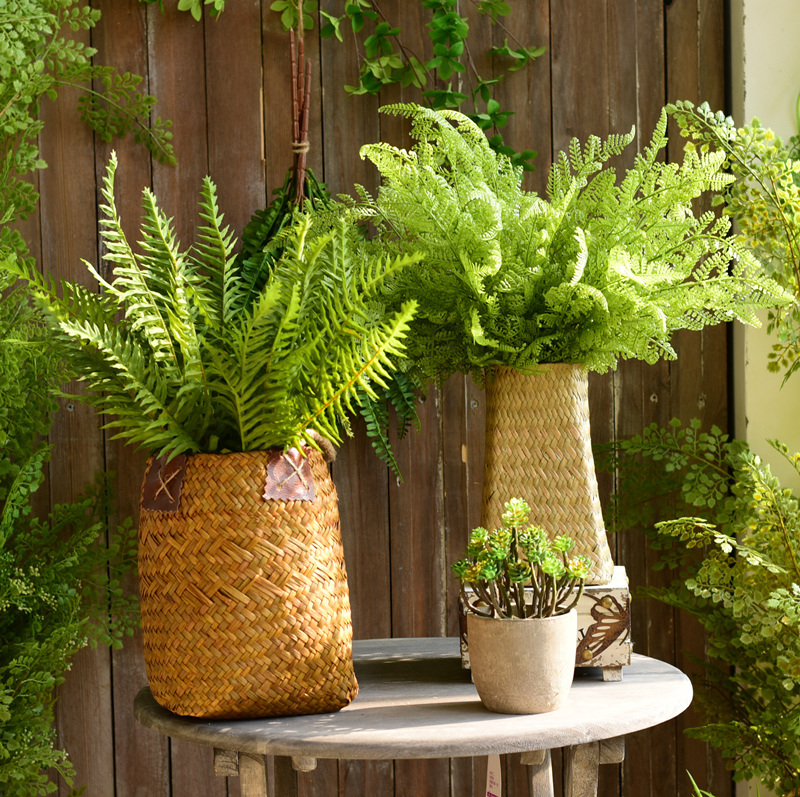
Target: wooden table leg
point(285, 777)
point(582, 762)
point(580, 770)
point(540, 773)
point(253, 775)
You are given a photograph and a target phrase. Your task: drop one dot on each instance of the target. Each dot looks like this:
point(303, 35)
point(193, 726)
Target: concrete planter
point(523, 666)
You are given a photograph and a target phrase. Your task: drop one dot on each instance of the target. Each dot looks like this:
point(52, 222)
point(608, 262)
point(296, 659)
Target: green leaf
point(495, 8)
point(332, 26)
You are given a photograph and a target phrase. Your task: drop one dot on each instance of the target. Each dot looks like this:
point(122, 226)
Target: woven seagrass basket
point(538, 447)
point(245, 608)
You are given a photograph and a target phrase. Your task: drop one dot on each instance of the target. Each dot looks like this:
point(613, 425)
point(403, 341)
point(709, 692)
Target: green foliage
point(698, 792)
point(448, 80)
point(261, 238)
point(599, 272)
point(401, 395)
point(764, 199)
point(184, 362)
point(734, 557)
point(500, 563)
point(36, 61)
point(58, 580)
point(262, 245)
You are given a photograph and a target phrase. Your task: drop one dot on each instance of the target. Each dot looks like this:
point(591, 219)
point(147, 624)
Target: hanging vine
point(448, 79)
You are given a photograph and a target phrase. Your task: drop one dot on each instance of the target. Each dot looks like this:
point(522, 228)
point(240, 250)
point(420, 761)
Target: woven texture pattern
point(538, 447)
point(245, 608)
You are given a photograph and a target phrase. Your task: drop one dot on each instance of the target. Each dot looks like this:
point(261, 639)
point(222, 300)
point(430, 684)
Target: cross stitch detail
point(163, 484)
point(289, 476)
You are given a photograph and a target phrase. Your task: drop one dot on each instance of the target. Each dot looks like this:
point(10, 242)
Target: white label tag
point(494, 780)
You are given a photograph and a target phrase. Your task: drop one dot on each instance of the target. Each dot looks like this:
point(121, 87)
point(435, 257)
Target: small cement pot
point(523, 666)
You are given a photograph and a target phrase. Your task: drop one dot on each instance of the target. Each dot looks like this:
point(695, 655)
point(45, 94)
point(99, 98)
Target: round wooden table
point(415, 701)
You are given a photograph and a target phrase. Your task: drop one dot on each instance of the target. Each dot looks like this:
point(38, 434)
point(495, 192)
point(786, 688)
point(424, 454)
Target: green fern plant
point(601, 270)
point(262, 244)
point(181, 363)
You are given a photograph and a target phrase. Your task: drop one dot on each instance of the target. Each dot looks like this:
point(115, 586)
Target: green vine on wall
point(37, 59)
point(450, 79)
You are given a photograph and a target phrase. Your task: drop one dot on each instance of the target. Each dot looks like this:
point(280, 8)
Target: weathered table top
point(415, 701)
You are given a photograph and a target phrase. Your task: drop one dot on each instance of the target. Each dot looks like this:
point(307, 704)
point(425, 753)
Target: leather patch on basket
point(289, 476)
point(163, 483)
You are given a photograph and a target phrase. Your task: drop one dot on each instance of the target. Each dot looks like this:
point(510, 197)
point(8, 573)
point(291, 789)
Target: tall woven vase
point(538, 447)
point(245, 607)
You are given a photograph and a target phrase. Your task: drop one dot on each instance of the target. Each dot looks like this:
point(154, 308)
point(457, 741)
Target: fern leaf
point(376, 417)
point(131, 289)
point(213, 254)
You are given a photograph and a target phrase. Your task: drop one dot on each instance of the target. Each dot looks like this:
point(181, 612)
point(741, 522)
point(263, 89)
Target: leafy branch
point(35, 63)
point(733, 552)
point(764, 200)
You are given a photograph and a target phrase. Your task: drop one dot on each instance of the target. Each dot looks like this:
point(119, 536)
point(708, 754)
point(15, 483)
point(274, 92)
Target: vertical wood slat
point(122, 40)
point(68, 233)
point(580, 106)
point(399, 539)
point(235, 122)
point(363, 484)
point(695, 39)
point(528, 92)
point(416, 506)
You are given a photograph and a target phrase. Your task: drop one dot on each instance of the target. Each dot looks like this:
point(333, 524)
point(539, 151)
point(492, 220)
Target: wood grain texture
point(176, 45)
point(235, 122)
point(695, 38)
point(122, 40)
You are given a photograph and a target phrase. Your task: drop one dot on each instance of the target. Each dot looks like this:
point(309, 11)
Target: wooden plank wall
point(609, 64)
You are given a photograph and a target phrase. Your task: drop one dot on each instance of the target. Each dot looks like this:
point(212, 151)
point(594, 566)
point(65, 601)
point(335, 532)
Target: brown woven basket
point(245, 608)
point(538, 447)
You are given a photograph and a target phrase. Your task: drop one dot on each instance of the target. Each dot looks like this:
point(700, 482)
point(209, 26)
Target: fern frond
point(370, 359)
point(376, 417)
point(140, 296)
point(213, 255)
point(183, 361)
point(123, 382)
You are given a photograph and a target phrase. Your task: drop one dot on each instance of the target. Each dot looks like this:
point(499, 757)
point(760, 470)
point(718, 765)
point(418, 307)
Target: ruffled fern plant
point(602, 269)
point(188, 355)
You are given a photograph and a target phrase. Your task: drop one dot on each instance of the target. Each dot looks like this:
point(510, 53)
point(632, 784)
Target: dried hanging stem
point(301, 107)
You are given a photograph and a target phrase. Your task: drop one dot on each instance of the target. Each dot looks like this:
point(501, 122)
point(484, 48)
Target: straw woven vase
point(538, 447)
point(245, 608)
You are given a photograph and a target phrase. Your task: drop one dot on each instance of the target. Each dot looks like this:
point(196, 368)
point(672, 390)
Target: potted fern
point(521, 641)
point(512, 284)
point(233, 390)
